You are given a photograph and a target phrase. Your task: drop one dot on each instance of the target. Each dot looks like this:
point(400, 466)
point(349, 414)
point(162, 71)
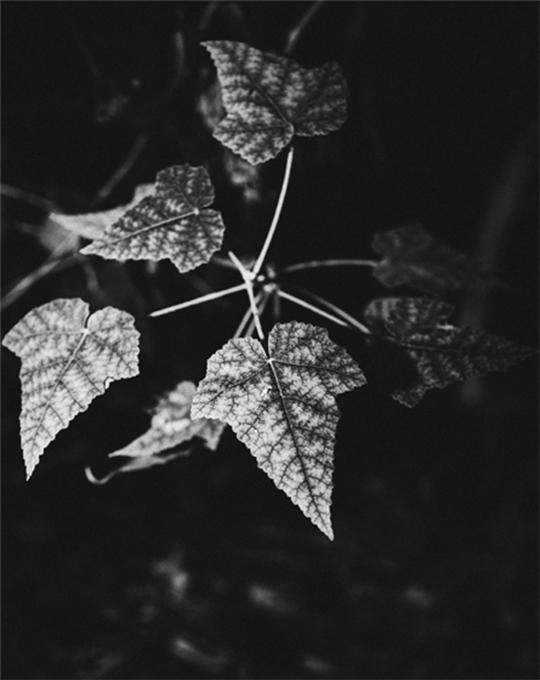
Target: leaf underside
point(173, 223)
point(92, 225)
point(282, 406)
point(170, 427)
point(414, 258)
point(269, 99)
point(68, 358)
point(442, 353)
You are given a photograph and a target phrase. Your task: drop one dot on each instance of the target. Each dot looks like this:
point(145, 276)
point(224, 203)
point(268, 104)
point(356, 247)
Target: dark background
point(202, 568)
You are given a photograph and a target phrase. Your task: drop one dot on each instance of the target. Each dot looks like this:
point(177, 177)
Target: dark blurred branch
point(501, 212)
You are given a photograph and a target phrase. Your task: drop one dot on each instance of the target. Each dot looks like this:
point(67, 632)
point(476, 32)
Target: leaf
point(269, 99)
point(412, 257)
point(68, 358)
point(442, 353)
point(92, 225)
point(171, 223)
point(171, 425)
point(282, 407)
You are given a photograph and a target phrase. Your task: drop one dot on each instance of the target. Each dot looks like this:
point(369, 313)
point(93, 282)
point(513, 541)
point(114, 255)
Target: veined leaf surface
point(173, 223)
point(269, 99)
point(171, 426)
point(68, 358)
point(442, 353)
point(282, 406)
point(414, 258)
point(92, 225)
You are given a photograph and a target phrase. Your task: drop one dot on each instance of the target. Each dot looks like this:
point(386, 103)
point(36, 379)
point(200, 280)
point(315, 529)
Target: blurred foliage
point(201, 569)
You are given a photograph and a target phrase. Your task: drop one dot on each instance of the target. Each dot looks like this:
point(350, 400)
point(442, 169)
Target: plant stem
point(329, 263)
point(248, 277)
point(264, 297)
point(245, 318)
point(51, 264)
point(294, 34)
point(123, 169)
point(199, 300)
point(27, 197)
point(352, 321)
point(260, 260)
point(303, 303)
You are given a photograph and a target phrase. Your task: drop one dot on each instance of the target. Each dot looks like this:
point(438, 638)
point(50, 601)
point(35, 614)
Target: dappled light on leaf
point(412, 257)
point(68, 358)
point(170, 427)
point(172, 223)
point(282, 406)
point(270, 98)
point(442, 353)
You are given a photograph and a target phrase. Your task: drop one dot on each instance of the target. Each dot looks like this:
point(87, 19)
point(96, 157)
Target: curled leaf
point(171, 426)
point(412, 257)
point(442, 353)
point(173, 223)
point(282, 406)
point(269, 99)
point(68, 358)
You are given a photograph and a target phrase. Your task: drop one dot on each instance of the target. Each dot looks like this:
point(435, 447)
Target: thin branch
point(123, 169)
point(245, 318)
point(344, 315)
point(303, 303)
point(265, 296)
point(295, 33)
point(223, 262)
point(209, 11)
point(20, 288)
point(92, 478)
point(199, 300)
point(248, 277)
point(28, 197)
point(283, 193)
point(329, 263)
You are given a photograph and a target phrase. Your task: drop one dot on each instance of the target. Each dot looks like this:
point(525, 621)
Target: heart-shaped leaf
point(414, 258)
point(282, 406)
point(92, 225)
point(441, 352)
point(171, 223)
point(170, 427)
point(68, 358)
point(269, 99)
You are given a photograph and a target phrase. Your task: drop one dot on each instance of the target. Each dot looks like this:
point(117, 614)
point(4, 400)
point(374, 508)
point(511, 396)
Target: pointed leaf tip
point(282, 406)
point(269, 99)
point(172, 223)
point(68, 358)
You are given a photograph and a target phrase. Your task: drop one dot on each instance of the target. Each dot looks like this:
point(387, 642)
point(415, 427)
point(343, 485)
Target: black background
point(202, 568)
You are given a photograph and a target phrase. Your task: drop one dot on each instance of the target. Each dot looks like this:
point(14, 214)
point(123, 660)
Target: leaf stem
point(329, 263)
point(263, 300)
point(260, 260)
point(294, 34)
point(27, 197)
point(248, 277)
point(245, 318)
point(52, 263)
point(307, 305)
point(123, 169)
point(344, 315)
point(199, 300)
